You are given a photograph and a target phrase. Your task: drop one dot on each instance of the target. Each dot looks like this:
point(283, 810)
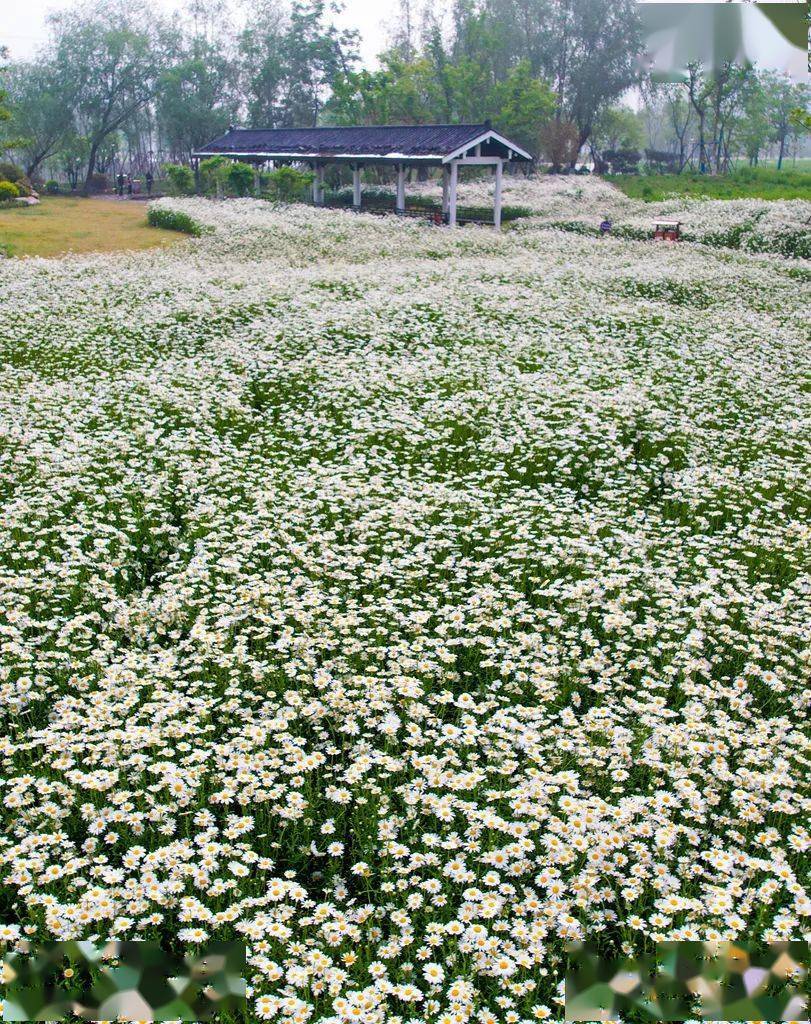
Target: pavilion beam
point(400, 188)
point(452, 197)
point(477, 161)
point(356, 198)
point(497, 196)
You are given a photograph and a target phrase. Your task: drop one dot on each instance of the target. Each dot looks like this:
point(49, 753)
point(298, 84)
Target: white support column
point(356, 198)
point(319, 177)
point(452, 200)
point(446, 180)
point(497, 196)
point(315, 184)
point(400, 188)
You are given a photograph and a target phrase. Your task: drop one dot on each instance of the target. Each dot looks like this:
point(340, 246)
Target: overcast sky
point(23, 27)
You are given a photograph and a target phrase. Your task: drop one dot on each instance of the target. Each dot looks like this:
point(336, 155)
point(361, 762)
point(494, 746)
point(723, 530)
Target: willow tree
point(111, 57)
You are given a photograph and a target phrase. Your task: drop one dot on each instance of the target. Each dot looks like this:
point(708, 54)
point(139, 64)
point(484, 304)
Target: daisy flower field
point(405, 603)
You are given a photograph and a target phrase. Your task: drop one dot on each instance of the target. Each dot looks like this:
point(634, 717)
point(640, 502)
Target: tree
point(560, 144)
point(783, 97)
point(801, 121)
point(196, 99)
point(114, 59)
point(41, 112)
point(679, 116)
point(618, 128)
point(586, 49)
point(729, 83)
point(404, 33)
point(590, 53)
point(699, 91)
point(755, 128)
point(291, 59)
point(399, 93)
point(520, 104)
point(5, 113)
point(72, 157)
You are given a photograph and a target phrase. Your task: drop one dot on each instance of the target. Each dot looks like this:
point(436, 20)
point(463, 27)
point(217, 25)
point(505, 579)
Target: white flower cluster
point(589, 199)
point(405, 602)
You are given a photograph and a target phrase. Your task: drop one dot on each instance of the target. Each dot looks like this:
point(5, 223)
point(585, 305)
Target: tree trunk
point(782, 151)
point(91, 166)
point(32, 168)
point(702, 146)
point(682, 158)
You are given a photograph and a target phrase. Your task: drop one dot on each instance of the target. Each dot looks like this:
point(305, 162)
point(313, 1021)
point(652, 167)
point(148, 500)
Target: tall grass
point(743, 183)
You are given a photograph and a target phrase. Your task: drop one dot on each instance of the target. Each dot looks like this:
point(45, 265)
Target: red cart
point(667, 230)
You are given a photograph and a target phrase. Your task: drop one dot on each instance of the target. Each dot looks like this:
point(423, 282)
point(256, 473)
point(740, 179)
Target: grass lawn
point(746, 183)
point(61, 225)
point(802, 163)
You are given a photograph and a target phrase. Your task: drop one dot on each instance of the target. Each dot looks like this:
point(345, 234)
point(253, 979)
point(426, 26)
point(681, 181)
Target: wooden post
point(445, 187)
point(400, 188)
point(356, 186)
point(452, 202)
point(315, 183)
point(319, 177)
point(497, 197)
point(257, 181)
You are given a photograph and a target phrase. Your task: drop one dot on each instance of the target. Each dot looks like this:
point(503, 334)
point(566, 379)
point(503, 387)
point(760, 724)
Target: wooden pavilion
point(449, 146)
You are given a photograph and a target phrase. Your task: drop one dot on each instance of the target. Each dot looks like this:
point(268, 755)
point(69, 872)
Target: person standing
point(149, 182)
point(120, 183)
point(129, 184)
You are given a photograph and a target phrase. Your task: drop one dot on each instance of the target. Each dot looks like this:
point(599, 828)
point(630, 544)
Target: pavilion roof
point(419, 142)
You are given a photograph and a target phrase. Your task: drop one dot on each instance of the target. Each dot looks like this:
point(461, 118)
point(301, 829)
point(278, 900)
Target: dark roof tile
point(372, 140)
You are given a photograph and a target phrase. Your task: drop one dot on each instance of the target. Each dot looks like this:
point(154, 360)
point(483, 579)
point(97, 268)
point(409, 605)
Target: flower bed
point(579, 204)
point(404, 602)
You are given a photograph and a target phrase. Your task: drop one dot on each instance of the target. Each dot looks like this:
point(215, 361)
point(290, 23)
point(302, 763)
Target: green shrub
point(173, 220)
point(212, 172)
point(239, 179)
point(287, 185)
point(52, 187)
point(792, 244)
point(180, 178)
point(579, 227)
point(11, 172)
point(220, 175)
point(8, 190)
point(98, 182)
